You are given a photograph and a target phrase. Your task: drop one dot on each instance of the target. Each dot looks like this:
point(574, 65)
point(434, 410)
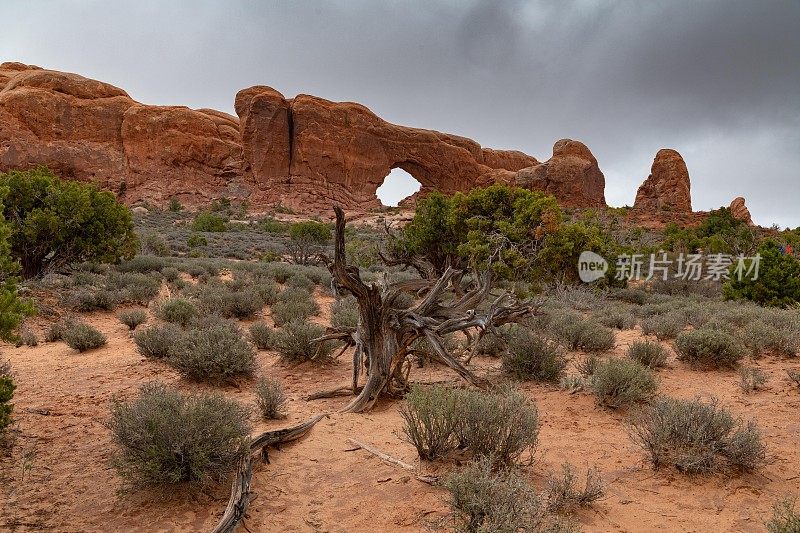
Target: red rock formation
point(571, 175)
point(306, 153)
point(92, 131)
point(342, 152)
point(739, 210)
point(667, 187)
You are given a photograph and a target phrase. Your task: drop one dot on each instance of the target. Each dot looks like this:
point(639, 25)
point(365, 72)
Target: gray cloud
point(717, 80)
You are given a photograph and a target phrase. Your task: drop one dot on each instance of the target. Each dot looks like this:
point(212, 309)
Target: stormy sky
point(717, 80)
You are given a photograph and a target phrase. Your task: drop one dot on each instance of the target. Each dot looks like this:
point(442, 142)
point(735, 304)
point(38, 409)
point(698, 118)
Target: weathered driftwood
point(393, 460)
point(385, 332)
point(240, 488)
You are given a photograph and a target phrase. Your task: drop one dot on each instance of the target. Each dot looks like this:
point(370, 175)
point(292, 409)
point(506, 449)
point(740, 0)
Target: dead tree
point(385, 332)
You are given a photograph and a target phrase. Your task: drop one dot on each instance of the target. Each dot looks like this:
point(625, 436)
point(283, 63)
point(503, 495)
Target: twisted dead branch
point(240, 488)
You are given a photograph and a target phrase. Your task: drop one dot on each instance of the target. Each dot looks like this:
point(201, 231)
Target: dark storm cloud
point(717, 80)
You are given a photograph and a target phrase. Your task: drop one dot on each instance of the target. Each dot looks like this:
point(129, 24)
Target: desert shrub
point(760, 337)
point(664, 326)
point(578, 333)
point(267, 291)
point(287, 310)
point(785, 519)
point(262, 336)
point(752, 379)
point(12, 308)
point(623, 382)
point(587, 366)
point(210, 222)
point(632, 296)
point(707, 348)
point(501, 425)
point(167, 437)
point(563, 493)
point(133, 318)
point(617, 319)
point(485, 500)
point(778, 283)
point(650, 354)
point(175, 205)
point(153, 244)
point(85, 300)
point(270, 398)
point(158, 341)
point(196, 240)
point(57, 222)
point(695, 437)
point(493, 344)
point(55, 331)
point(82, 336)
point(293, 342)
point(143, 264)
point(344, 313)
point(213, 350)
point(794, 375)
point(223, 299)
point(531, 357)
point(133, 287)
point(171, 274)
point(430, 420)
point(307, 239)
point(300, 281)
point(28, 337)
point(176, 311)
point(7, 387)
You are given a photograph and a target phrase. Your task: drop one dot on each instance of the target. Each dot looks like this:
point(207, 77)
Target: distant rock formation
point(571, 175)
point(739, 210)
point(92, 131)
point(305, 153)
point(667, 187)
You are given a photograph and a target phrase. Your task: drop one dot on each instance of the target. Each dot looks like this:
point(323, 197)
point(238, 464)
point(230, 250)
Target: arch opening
point(396, 187)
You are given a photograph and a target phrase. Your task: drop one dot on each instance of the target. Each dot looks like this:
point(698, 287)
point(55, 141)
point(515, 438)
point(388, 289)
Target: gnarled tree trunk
point(385, 332)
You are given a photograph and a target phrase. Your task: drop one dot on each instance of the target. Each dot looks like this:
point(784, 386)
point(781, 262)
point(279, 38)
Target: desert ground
point(57, 476)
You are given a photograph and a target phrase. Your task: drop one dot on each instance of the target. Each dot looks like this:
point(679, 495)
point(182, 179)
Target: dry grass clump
point(133, 318)
point(794, 375)
point(530, 357)
point(650, 354)
point(158, 341)
point(344, 313)
point(564, 495)
point(617, 318)
point(294, 342)
point(82, 336)
point(214, 350)
point(486, 500)
point(293, 305)
point(695, 437)
point(167, 437)
point(176, 311)
point(707, 348)
point(28, 337)
point(785, 519)
point(262, 336)
point(501, 425)
point(577, 333)
point(622, 382)
point(664, 326)
point(270, 398)
point(761, 338)
point(752, 379)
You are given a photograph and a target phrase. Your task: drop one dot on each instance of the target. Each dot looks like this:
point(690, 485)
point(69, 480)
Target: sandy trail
point(58, 478)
